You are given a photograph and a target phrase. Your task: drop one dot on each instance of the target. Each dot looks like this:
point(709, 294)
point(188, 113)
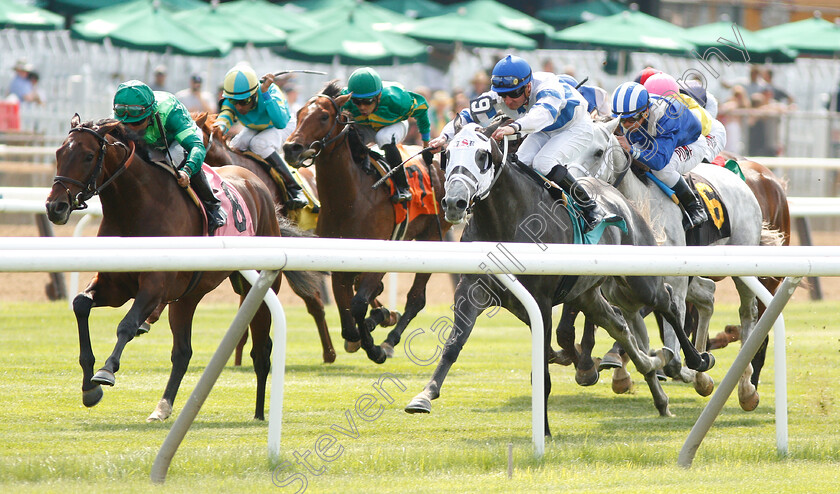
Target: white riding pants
point(543, 151)
point(262, 142)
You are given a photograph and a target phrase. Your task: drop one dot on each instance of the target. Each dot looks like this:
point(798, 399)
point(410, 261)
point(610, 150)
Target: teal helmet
point(133, 101)
point(364, 83)
point(241, 83)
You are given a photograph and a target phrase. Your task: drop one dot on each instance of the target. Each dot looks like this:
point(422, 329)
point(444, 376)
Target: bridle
point(314, 149)
point(89, 188)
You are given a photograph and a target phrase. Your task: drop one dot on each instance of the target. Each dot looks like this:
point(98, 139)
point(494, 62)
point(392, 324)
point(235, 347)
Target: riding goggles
point(506, 81)
point(513, 94)
point(130, 111)
point(245, 102)
point(633, 118)
point(362, 101)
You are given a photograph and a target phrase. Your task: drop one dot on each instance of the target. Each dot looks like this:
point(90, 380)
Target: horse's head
point(81, 167)
point(604, 158)
point(474, 160)
point(319, 124)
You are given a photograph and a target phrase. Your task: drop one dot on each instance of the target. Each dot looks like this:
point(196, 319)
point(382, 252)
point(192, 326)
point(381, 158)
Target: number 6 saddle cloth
point(719, 225)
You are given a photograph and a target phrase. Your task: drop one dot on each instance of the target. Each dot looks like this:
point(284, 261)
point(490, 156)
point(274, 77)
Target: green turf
point(49, 442)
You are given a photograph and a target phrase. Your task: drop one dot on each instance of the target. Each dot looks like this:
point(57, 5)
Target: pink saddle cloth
point(239, 221)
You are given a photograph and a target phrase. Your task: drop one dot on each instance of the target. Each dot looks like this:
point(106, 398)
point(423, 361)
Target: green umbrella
point(813, 36)
point(72, 7)
point(19, 16)
point(455, 27)
point(415, 9)
point(267, 12)
point(239, 30)
point(145, 25)
point(721, 36)
point(381, 19)
point(567, 15)
point(353, 42)
point(629, 30)
point(493, 12)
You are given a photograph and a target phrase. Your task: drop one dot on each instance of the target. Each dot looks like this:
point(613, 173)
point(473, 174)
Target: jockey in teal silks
point(261, 107)
point(166, 126)
point(381, 111)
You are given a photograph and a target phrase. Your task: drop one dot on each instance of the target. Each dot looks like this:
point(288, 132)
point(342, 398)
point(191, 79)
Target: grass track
point(602, 442)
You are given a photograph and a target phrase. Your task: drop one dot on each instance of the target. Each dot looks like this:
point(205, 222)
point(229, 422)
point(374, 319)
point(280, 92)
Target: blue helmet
point(510, 74)
point(629, 99)
point(567, 79)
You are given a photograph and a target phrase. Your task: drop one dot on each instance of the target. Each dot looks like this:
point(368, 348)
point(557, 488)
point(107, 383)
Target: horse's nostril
point(443, 202)
point(461, 204)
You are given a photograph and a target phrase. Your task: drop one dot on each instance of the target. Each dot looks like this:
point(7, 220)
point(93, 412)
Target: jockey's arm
point(276, 106)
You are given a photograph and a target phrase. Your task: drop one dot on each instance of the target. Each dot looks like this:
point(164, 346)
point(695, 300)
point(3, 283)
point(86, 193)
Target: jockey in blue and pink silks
point(664, 135)
point(551, 114)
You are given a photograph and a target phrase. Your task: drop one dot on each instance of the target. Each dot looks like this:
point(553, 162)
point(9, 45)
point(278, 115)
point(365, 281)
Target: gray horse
point(505, 199)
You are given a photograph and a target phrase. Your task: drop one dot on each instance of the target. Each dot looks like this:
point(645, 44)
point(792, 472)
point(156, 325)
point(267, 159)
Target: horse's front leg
point(342, 284)
point(144, 303)
point(369, 286)
point(415, 301)
point(180, 322)
point(464, 319)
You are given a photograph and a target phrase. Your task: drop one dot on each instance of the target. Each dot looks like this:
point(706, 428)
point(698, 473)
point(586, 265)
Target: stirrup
point(297, 199)
point(401, 196)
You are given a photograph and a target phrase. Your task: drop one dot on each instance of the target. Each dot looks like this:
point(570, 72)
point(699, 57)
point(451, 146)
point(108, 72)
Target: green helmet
point(364, 83)
point(133, 101)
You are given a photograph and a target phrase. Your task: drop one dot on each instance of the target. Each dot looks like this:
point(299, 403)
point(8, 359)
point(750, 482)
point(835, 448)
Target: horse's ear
point(612, 125)
point(106, 127)
point(495, 152)
point(75, 121)
point(342, 100)
point(495, 123)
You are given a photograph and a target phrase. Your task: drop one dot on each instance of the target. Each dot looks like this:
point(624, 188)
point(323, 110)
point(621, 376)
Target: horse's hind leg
point(369, 286)
point(747, 393)
point(261, 355)
point(415, 301)
point(180, 322)
point(91, 392)
point(342, 284)
point(565, 333)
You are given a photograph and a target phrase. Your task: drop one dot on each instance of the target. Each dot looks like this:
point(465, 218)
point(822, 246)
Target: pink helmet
point(662, 84)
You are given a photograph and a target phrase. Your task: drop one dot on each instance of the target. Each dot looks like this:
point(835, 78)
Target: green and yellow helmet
point(241, 82)
point(133, 101)
point(364, 83)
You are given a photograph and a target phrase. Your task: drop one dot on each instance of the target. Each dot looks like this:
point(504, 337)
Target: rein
point(89, 189)
point(319, 145)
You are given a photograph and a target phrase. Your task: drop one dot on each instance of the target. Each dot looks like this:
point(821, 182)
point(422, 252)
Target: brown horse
point(141, 199)
point(220, 154)
point(350, 209)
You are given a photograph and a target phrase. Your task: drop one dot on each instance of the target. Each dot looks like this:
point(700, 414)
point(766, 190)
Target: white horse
point(611, 164)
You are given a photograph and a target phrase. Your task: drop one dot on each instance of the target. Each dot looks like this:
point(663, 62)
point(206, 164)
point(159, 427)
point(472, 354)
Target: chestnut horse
point(350, 209)
point(141, 199)
point(220, 154)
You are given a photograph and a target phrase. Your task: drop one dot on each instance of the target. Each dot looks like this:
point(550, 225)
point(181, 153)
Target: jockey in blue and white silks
point(551, 114)
point(664, 135)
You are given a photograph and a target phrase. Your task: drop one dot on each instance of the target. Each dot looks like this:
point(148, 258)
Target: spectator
point(756, 84)
point(440, 111)
point(459, 100)
point(479, 84)
point(34, 95)
point(20, 86)
point(732, 118)
point(159, 83)
point(762, 140)
point(778, 94)
point(292, 96)
point(194, 98)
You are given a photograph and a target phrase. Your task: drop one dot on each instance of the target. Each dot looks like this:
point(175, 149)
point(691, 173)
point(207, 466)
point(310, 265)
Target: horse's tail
point(303, 283)
point(771, 236)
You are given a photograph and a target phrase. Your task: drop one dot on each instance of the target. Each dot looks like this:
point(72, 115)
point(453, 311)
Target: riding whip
point(394, 169)
point(297, 71)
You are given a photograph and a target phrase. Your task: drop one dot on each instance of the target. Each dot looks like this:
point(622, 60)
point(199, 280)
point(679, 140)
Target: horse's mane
point(121, 133)
point(358, 148)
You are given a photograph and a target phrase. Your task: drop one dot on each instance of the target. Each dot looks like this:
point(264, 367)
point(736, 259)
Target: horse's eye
point(325, 118)
point(89, 157)
point(599, 153)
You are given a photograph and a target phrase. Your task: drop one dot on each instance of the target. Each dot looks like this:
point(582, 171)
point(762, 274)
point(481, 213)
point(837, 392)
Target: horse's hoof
point(560, 358)
point(143, 329)
point(709, 359)
point(161, 413)
point(666, 412)
point(377, 355)
point(104, 376)
point(672, 369)
point(388, 349)
point(352, 346)
point(329, 357)
point(622, 385)
point(749, 403)
point(662, 376)
point(587, 377)
point(703, 384)
point(611, 360)
point(419, 405)
point(90, 397)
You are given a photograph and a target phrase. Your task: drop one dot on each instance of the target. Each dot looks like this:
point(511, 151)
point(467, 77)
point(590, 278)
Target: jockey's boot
point(690, 203)
point(590, 210)
point(297, 199)
point(402, 192)
point(216, 216)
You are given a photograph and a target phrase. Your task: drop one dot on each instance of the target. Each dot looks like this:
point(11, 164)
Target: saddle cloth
point(719, 225)
point(239, 219)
